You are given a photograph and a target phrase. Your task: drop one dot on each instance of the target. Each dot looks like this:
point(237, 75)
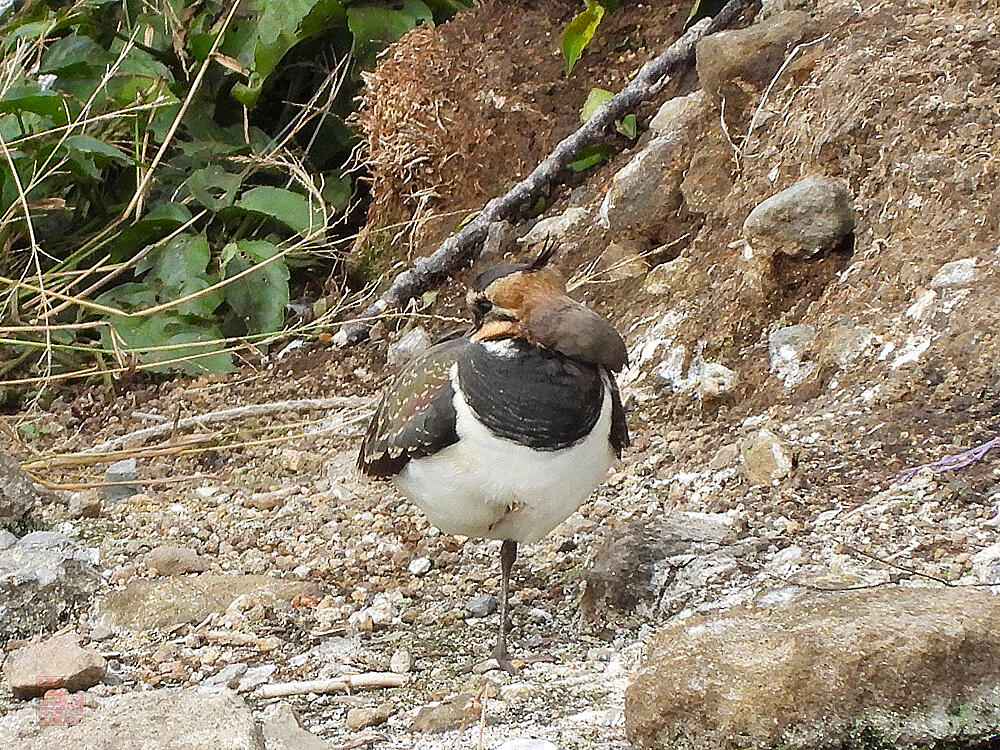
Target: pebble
point(409, 346)
point(401, 661)
point(362, 718)
point(537, 614)
point(84, 505)
point(121, 471)
point(482, 606)
point(419, 566)
point(168, 560)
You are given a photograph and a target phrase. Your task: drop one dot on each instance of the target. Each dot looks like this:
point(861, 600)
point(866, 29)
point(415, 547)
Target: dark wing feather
point(416, 416)
point(619, 427)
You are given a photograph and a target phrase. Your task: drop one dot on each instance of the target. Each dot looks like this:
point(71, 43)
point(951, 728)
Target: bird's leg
point(508, 553)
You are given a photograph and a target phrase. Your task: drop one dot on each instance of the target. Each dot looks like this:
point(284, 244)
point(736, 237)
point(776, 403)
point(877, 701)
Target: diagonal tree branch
point(428, 272)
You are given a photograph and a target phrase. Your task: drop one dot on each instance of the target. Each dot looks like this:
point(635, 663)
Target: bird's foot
point(498, 660)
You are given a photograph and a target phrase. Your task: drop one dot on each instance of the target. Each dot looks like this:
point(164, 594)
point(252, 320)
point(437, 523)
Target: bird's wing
point(416, 416)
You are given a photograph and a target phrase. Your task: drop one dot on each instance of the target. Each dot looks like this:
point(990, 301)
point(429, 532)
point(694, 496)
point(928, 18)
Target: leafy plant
point(579, 32)
point(165, 167)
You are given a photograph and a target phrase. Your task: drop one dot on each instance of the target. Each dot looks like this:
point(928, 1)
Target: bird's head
point(529, 301)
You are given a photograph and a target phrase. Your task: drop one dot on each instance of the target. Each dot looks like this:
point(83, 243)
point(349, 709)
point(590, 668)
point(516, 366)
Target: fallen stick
point(345, 683)
point(229, 415)
point(429, 272)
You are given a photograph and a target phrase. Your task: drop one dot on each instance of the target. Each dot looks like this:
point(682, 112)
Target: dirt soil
point(899, 101)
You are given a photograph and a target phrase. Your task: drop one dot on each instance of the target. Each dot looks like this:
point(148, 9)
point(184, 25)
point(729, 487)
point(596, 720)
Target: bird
point(504, 433)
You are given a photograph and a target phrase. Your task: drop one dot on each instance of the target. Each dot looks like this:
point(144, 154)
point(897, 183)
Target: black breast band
point(533, 396)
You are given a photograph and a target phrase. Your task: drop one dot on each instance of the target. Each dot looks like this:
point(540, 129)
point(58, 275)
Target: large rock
point(18, 494)
point(168, 718)
point(736, 65)
point(44, 578)
point(166, 602)
point(888, 667)
point(637, 567)
point(811, 217)
point(59, 662)
point(647, 189)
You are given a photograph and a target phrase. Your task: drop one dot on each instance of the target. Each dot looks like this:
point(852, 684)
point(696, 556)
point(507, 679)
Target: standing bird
point(503, 435)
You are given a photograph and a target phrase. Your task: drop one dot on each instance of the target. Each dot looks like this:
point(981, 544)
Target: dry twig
point(341, 684)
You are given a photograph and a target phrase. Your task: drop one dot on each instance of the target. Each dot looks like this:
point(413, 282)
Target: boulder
point(167, 718)
point(59, 662)
point(885, 667)
point(737, 64)
point(809, 218)
point(44, 578)
point(166, 602)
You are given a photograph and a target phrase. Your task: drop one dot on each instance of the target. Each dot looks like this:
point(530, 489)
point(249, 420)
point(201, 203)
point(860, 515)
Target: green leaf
point(259, 298)
point(628, 127)
point(90, 145)
point(178, 269)
point(213, 187)
point(579, 32)
point(30, 97)
point(595, 98)
point(590, 156)
point(159, 222)
point(337, 191)
point(73, 56)
point(283, 206)
point(375, 26)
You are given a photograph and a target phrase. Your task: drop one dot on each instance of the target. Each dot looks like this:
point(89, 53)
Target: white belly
point(486, 486)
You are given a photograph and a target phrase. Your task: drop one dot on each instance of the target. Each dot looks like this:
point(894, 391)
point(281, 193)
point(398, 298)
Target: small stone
point(59, 662)
point(401, 661)
point(419, 566)
point(449, 714)
point(362, 718)
point(785, 348)
point(555, 228)
point(537, 614)
point(7, 540)
point(229, 676)
point(958, 273)
point(254, 677)
point(175, 561)
point(678, 111)
point(765, 458)
point(482, 606)
point(725, 456)
point(409, 346)
point(121, 471)
point(621, 261)
point(524, 743)
point(86, 504)
point(716, 380)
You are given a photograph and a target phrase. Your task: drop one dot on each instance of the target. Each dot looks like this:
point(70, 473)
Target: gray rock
point(18, 495)
point(166, 602)
point(811, 217)
point(958, 273)
point(766, 458)
point(647, 189)
point(482, 606)
point(401, 661)
point(906, 667)
point(986, 564)
point(636, 566)
point(174, 561)
point(228, 677)
point(85, 504)
point(44, 578)
point(181, 719)
point(737, 64)
point(59, 662)
point(283, 731)
point(555, 228)
point(677, 112)
point(413, 342)
point(254, 677)
point(7, 540)
point(121, 471)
